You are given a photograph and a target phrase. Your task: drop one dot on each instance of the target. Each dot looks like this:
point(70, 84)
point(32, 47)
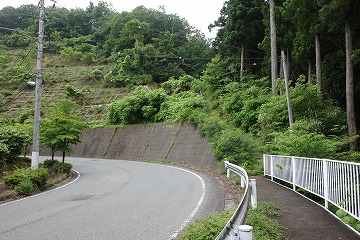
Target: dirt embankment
point(178, 143)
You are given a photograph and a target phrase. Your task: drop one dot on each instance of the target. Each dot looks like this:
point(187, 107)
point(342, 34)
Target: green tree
point(12, 143)
point(241, 27)
point(62, 127)
point(340, 15)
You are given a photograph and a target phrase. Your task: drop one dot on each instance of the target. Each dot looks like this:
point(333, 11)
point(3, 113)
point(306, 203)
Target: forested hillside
point(148, 66)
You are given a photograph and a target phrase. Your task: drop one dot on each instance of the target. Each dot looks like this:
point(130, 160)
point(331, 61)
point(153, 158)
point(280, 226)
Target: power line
point(11, 68)
point(19, 31)
point(20, 93)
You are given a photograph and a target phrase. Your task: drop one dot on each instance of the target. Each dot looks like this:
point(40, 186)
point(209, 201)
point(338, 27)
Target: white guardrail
point(235, 228)
point(336, 182)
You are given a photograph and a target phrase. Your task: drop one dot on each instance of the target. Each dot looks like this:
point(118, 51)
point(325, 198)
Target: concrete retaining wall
point(179, 143)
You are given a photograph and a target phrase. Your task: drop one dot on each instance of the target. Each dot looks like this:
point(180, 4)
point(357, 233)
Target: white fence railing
point(235, 228)
point(336, 182)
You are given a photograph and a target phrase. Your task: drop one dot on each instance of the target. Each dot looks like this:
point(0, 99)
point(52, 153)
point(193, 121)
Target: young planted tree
point(62, 127)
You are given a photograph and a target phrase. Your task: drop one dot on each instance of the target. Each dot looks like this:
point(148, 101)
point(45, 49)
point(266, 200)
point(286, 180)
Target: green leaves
point(12, 143)
point(62, 126)
point(236, 146)
point(138, 108)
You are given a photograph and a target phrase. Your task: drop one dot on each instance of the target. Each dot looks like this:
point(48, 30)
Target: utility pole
point(283, 59)
point(273, 47)
point(242, 63)
point(36, 133)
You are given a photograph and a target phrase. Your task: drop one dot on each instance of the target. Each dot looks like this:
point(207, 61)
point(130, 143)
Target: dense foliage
point(170, 72)
point(62, 127)
point(143, 46)
point(13, 142)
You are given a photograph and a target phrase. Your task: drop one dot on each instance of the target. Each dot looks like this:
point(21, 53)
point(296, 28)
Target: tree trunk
point(242, 63)
point(63, 157)
point(52, 155)
point(309, 72)
point(350, 106)
point(273, 47)
point(318, 66)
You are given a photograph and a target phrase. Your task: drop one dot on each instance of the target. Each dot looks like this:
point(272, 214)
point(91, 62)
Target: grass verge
point(264, 227)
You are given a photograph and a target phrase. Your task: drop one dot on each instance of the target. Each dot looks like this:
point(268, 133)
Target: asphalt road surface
point(114, 199)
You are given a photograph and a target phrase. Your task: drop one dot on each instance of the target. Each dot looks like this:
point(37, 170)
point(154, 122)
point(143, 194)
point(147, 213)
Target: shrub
point(273, 115)
point(301, 141)
point(178, 85)
point(13, 141)
point(212, 126)
point(37, 177)
point(50, 163)
point(25, 187)
point(73, 92)
point(179, 107)
point(62, 167)
point(236, 146)
point(138, 108)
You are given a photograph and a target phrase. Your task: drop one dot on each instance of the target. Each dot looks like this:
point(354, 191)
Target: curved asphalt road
point(114, 200)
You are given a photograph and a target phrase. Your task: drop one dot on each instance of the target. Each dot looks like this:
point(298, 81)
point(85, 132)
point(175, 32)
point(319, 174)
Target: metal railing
point(336, 182)
point(231, 230)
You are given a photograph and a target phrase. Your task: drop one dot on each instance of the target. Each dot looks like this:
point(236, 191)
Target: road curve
point(114, 199)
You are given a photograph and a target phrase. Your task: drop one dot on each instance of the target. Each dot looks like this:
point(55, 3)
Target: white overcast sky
point(199, 13)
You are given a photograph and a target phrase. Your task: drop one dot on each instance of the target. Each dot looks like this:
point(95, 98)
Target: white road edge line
point(192, 214)
point(22, 199)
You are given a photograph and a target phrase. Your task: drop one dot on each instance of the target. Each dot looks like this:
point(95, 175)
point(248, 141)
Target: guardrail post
point(245, 232)
point(326, 183)
point(264, 162)
point(294, 173)
point(271, 168)
point(228, 173)
point(242, 182)
point(253, 193)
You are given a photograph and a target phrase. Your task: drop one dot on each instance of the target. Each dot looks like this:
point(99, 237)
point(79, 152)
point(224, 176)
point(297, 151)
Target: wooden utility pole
point(273, 47)
point(36, 133)
point(287, 90)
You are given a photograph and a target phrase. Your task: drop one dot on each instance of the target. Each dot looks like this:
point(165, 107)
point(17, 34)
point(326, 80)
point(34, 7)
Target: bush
point(273, 115)
point(12, 142)
point(173, 86)
point(37, 177)
point(179, 107)
point(138, 108)
point(62, 167)
point(212, 126)
point(301, 141)
point(236, 146)
point(50, 163)
point(25, 187)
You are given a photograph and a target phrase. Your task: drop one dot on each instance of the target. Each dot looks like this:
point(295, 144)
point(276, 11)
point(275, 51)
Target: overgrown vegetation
point(150, 66)
point(264, 227)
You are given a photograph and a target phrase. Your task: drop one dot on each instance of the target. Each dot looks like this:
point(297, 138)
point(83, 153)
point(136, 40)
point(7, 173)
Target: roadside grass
point(264, 227)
